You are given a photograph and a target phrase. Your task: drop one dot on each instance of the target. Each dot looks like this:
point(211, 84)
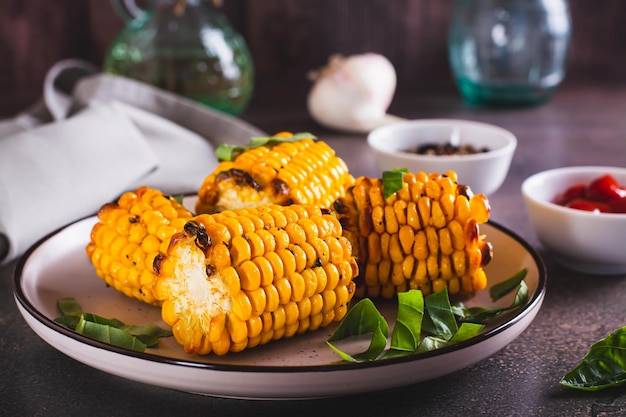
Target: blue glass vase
point(508, 52)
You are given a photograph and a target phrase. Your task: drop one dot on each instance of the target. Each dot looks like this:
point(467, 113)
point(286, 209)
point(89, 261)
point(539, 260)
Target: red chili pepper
point(606, 188)
point(619, 206)
point(588, 205)
point(575, 191)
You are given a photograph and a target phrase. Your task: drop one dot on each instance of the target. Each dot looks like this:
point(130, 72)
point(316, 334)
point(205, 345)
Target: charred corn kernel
point(424, 236)
point(251, 300)
point(305, 171)
point(129, 235)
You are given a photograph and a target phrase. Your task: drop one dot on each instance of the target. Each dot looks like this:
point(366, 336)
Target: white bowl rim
point(509, 146)
point(580, 169)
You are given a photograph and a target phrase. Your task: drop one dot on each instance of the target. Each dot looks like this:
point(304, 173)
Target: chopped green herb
point(439, 318)
point(227, 152)
point(363, 318)
point(111, 331)
point(393, 180)
point(482, 314)
point(503, 288)
point(69, 307)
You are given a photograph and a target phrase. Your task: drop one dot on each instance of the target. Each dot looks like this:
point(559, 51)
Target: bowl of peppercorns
point(579, 215)
point(479, 153)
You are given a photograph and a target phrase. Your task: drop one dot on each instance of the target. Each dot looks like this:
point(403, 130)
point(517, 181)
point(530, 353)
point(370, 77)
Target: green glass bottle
point(187, 47)
point(508, 52)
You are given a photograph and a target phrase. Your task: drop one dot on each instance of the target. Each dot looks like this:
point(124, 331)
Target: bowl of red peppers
point(579, 216)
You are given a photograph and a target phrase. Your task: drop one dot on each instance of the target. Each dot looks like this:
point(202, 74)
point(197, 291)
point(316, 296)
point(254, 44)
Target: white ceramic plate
point(301, 367)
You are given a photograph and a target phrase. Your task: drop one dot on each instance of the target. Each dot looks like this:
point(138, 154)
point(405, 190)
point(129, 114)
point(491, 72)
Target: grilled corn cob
point(424, 236)
point(299, 171)
point(238, 279)
point(129, 235)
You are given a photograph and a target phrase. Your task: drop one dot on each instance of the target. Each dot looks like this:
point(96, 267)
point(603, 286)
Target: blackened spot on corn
point(243, 178)
point(133, 219)
point(471, 231)
point(340, 206)
point(365, 221)
point(465, 190)
point(158, 263)
point(318, 262)
point(279, 187)
point(210, 270)
point(203, 240)
point(486, 251)
point(346, 224)
point(224, 175)
point(191, 228)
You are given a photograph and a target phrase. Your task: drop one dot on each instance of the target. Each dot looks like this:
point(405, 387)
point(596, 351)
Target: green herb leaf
point(104, 329)
point(439, 319)
point(69, 307)
point(393, 180)
point(406, 333)
point(604, 366)
point(109, 334)
point(149, 334)
point(432, 343)
point(68, 321)
point(482, 314)
point(227, 152)
point(362, 318)
point(501, 289)
point(466, 331)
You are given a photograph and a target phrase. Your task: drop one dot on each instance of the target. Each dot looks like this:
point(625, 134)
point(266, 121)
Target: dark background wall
point(287, 38)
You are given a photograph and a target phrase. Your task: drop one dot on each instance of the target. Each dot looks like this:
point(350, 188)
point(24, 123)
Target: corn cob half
point(299, 171)
point(424, 236)
point(241, 278)
point(129, 235)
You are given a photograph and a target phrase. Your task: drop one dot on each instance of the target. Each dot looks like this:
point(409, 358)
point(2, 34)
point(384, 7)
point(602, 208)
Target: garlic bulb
point(353, 93)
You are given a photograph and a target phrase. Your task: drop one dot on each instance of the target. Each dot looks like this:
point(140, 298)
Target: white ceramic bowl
point(483, 172)
point(593, 243)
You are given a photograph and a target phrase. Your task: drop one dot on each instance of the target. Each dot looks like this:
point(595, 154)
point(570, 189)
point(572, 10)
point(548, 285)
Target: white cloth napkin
point(46, 171)
point(59, 164)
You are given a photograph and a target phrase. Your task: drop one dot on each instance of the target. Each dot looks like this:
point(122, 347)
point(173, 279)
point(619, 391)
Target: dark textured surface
point(584, 126)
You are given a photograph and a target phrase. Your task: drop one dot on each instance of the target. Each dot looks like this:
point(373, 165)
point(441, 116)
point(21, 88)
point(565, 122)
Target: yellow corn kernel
point(289, 261)
point(239, 250)
point(258, 301)
point(265, 269)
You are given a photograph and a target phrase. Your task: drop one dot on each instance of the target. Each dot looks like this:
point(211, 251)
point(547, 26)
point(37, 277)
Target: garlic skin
point(353, 93)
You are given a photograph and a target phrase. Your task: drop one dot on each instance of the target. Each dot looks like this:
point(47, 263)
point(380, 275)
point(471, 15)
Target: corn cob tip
point(129, 234)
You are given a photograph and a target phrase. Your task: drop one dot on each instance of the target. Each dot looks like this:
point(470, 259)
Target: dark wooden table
point(580, 126)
